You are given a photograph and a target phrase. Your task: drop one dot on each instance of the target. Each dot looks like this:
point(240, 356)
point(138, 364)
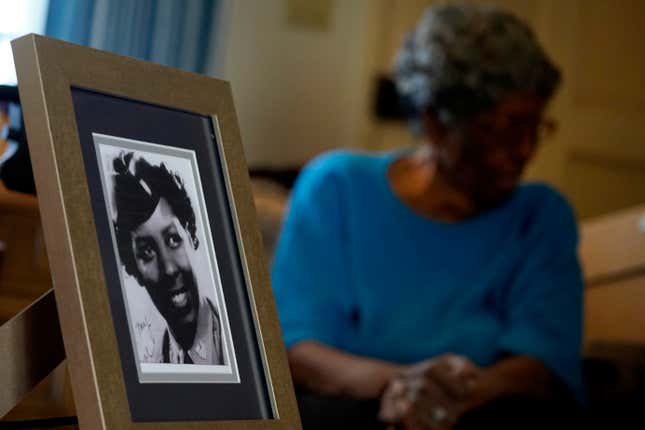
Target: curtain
point(175, 33)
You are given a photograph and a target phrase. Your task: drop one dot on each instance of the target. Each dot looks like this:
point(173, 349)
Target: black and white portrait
point(168, 267)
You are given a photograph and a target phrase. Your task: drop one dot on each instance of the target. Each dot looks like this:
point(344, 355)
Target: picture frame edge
point(43, 158)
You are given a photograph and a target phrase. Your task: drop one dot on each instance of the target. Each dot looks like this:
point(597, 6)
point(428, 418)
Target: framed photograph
point(162, 291)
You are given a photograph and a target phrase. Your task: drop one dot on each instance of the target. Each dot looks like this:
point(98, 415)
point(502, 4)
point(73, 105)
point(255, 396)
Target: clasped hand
point(432, 394)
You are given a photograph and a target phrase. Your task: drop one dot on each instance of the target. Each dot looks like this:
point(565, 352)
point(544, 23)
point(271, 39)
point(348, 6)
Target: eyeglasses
point(514, 126)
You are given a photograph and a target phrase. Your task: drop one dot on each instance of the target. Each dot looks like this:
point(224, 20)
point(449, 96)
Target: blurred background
point(305, 80)
point(306, 74)
point(312, 75)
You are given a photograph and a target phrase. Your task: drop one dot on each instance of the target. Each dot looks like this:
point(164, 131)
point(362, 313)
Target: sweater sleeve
point(544, 303)
point(309, 273)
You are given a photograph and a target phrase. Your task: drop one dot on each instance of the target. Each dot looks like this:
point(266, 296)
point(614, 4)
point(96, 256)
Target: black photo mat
point(158, 402)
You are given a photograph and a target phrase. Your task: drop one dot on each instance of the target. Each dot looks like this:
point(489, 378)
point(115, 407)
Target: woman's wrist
point(327, 370)
point(490, 385)
point(368, 378)
point(513, 376)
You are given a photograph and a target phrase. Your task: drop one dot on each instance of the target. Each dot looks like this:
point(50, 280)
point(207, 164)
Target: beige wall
point(298, 91)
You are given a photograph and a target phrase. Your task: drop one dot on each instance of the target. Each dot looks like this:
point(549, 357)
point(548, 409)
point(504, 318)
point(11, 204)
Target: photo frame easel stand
point(31, 347)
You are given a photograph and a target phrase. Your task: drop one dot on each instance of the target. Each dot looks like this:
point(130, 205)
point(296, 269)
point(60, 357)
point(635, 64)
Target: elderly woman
point(429, 279)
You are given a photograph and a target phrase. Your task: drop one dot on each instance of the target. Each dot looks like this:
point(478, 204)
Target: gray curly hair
point(464, 58)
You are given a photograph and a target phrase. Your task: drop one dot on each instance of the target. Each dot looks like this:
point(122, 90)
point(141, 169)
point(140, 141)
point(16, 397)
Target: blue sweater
point(358, 270)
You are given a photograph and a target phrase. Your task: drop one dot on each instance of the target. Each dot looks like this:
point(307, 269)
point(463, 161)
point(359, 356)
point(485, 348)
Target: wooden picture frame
point(78, 101)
